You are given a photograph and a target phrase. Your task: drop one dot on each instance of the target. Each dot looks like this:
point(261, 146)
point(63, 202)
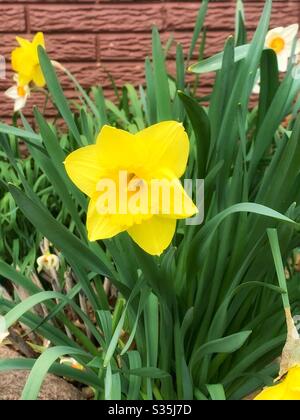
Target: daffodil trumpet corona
point(132, 181)
point(18, 93)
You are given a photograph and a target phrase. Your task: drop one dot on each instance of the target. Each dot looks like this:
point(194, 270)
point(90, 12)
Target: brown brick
point(12, 18)
point(106, 18)
point(131, 46)
point(135, 47)
point(70, 47)
point(182, 15)
point(134, 73)
point(118, 32)
point(67, 47)
point(98, 74)
point(90, 74)
point(38, 99)
point(54, 1)
point(126, 46)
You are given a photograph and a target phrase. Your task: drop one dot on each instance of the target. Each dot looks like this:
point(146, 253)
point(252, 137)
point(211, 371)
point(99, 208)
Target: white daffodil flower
point(3, 331)
point(281, 41)
point(256, 88)
point(47, 262)
point(19, 94)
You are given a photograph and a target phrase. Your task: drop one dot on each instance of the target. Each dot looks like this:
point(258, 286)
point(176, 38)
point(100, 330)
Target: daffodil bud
point(58, 66)
point(69, 361)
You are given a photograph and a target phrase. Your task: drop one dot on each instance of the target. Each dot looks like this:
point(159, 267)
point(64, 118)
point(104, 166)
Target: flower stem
point(273, 238)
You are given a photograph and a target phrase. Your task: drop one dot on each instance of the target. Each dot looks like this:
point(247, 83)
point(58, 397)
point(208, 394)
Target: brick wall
point(94, 37)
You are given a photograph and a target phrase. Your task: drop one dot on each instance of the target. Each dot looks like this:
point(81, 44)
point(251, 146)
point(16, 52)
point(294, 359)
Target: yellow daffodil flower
point(281, 41)
point(287, 389)
point(48, 262)
point(288, 383)
point(133, 163)
point(18, 93)
point(25, 61)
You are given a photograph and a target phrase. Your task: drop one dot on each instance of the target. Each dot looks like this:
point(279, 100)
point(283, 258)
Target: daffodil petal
point(168, 146)
point(274, 393)
point(38, 77)
point(101, 226)
point(297, 51)
point(83, 167)
point(24, 43)
point(22, 63)
point(12, 93)
point(287, 389)
point(16, 59)
point(39, 40)
point(182, 205)
point(24, 80)
point(120, 149)
point(275, 31)
point(20, 103)
point(169, 199)
point(293, 379)
point(153, 235)
point(290, 32)
point(283, 60)
point(256, 88)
